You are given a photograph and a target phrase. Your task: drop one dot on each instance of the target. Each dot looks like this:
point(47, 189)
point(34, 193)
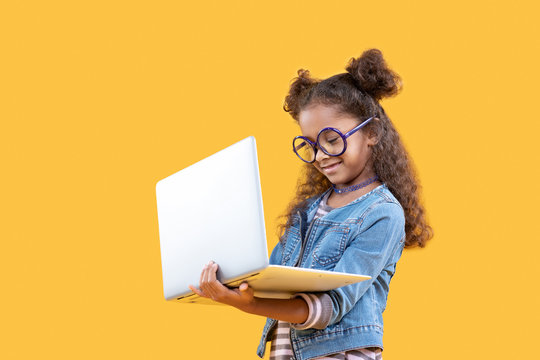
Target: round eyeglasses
point(330, 140)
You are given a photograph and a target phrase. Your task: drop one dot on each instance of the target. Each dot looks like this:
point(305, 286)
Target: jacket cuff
point(320, 311)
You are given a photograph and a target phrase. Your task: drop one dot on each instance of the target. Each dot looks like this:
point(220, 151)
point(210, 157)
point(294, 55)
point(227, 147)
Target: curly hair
point(357, 92)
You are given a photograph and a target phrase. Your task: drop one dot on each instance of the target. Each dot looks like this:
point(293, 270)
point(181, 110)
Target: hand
point(291, 310)
point(241, 297)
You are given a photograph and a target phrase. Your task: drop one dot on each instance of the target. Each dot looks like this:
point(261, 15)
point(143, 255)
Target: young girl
point(357, 206)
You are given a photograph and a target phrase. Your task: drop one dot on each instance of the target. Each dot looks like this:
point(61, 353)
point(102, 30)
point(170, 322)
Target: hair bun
point(373, 76)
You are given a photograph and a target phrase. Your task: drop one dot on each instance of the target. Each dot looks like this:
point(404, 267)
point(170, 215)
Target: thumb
point(245, 289)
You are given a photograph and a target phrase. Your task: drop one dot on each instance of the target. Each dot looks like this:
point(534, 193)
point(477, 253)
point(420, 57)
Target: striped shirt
point(320, 311)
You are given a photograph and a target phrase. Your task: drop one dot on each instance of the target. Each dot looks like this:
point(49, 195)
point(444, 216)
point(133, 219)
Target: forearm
point(293, 310)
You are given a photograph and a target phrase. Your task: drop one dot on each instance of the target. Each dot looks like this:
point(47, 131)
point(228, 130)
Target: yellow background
point(101, 99)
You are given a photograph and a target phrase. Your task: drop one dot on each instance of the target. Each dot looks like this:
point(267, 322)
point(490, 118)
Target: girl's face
point(351, 167)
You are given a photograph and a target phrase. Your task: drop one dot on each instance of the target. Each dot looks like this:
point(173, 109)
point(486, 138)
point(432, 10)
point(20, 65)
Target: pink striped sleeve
point(320, 311)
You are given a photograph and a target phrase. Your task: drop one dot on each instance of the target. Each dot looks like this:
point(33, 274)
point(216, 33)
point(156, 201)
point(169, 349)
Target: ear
point(373, 133)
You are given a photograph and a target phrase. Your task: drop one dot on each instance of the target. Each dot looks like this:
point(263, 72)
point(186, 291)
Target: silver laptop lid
point(212, 210)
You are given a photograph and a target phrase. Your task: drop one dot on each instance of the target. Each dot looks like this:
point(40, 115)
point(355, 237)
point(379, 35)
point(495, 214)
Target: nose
point(320, 155)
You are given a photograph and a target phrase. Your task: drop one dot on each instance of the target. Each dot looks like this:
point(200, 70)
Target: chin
point(336, 180)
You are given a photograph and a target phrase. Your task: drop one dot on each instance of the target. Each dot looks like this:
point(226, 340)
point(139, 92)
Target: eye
point(332, 141)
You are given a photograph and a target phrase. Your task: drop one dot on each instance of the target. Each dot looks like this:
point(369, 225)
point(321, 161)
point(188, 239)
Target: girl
point(357, 206)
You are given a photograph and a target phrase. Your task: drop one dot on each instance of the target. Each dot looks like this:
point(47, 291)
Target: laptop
point(213, 210)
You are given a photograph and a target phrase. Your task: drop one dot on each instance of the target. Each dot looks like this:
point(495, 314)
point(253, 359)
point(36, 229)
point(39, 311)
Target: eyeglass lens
point(331, 142)
point(304, 149)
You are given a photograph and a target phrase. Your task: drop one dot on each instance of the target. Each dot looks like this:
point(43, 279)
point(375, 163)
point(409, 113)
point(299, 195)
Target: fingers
point(206, 276)
point(209, 284)
point(196, 291)
point(210, 273)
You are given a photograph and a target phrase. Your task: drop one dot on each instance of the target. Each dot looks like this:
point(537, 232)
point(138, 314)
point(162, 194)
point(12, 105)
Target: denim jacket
point(365, 237)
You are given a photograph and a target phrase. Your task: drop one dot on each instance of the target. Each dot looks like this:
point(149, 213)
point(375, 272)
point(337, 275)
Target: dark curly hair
point(357, 92)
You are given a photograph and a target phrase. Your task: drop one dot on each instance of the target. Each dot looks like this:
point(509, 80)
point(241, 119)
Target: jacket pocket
point(309, 334)
point(331, 245)
point(292, 238)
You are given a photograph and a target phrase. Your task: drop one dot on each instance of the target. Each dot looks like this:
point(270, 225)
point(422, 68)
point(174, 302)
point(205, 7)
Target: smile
point(330, 168)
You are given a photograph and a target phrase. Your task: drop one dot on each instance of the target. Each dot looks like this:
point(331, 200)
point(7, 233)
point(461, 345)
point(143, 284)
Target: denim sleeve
point(277, 254)
point(381, 233)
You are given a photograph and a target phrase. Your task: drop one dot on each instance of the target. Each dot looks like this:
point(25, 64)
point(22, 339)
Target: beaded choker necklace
point(355, 187)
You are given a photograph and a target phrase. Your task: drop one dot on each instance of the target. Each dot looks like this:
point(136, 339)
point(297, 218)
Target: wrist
point(250, 306)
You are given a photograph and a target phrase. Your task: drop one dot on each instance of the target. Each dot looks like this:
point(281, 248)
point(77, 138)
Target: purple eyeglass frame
point(316, 145)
